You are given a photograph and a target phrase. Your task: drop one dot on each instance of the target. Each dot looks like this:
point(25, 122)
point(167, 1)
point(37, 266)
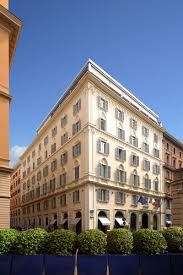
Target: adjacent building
point(96, 161)
point(173, 160)
point(9, 32)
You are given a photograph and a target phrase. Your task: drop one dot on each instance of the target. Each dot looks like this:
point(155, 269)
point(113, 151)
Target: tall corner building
point(96, 161)
point(9, 31)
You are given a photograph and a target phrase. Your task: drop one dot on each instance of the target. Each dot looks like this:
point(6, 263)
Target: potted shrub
point(61, 245)
point(92, 248)
point(152, 244)
point(120, 241)
point(31, 244)
point(8, 241)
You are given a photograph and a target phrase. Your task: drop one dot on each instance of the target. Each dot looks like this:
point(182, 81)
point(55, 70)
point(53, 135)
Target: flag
point(154, 202)
point(140, 199)
point(143, 200)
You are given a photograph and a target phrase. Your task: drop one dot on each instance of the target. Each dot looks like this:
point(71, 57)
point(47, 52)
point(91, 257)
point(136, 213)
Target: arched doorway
point(119, 220)
point(155, 222)
point(133, 222)
point(144, 220)
point(65, 224)
point(78, 222)
point(103, 222)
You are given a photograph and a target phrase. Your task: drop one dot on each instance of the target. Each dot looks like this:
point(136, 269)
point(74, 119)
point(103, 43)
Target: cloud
point(15, 152)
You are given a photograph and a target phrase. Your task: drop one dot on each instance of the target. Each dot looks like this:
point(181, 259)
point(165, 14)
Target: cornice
point(5, 95)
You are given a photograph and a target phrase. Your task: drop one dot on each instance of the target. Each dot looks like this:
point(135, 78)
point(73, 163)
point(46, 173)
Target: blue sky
point(140, 43)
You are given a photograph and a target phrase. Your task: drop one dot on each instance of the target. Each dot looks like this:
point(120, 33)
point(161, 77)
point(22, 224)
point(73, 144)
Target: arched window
point(155, 222)
point(76, 170)
point(104, 169)
point(147, 182)
point(133, 222)
point(121, 174)
point(156, 184)
point(102, 122)
point(103, 222)
point(135, 178)
point(145, 221)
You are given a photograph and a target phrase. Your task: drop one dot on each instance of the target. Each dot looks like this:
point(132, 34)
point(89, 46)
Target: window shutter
point(108, 172)
point(98, 101)
point(132, 179)
point(107, 195)
point(73, 129)
point(106, 105)
point(124, 176)
point(99, 145)
point(137, 160)
point(138, 180)
point(99, 195)
point(117, 175)
point(149, 184)
point(131, 139)
point(74, 109)
point(117, 153)
point(136, 142)
point(107, 148)
point(123, 155)
point(100, 169)
point(73, 151)
point(135, 125)
point(116, 113)
point(123, 134)
point(131, 122)
point(79, 104)
point(124, 196)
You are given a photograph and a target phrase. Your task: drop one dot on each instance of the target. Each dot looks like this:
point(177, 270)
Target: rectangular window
point(39, 161)
point(46, 140)
point(53, 148)
point(39, 176)
point(121, 134)
point(156, 169)
point(33, 154)
point(54, 131)
point(76, 196)
point(146, 165)
point(134, 160)
point(103, 147)
point(38, 207)
point(77, 107)
point(52, 185)
point(54, 165)
point(45, 205)
point(39, 148)
point(135, 180)
point(38, 192)
point(146, 147)
point(63, 120)
point(102, 103)
point(102, 124)
point(134, 141)
point(147, 184)
point(133, 124)
point(53, 203)
point(156, 153)
point(76, 149)
point(45, 188)
point(33, 165)
point(64, 158)
point(120, 197)
point(76, 127)
point(120, 154)
point(145, 131)
point(33, 179)
point(63, 178)
point(46, 154)
point(63, 200)
point(77, 172)
point(121, 176)
point(104, 171)
point(64, 138)
point(119, 114)
point(134, 200)
point(155, 138)
point(103, 195)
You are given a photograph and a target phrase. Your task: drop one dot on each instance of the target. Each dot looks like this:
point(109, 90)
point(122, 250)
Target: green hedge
point(92, 242)
point(8, 240)
point(174, 239)
point(149, 241)
point(61, 242)
point(119, 241)
point(32, 242)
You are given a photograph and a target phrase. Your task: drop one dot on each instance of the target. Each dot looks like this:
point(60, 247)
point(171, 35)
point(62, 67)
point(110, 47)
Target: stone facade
point(177, 194)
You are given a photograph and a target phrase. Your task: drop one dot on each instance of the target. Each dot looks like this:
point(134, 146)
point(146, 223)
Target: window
point(134, 200)
point(39, 161)
point(120, 154)
point(32, 194)
point(33, 154)
point(45, 205)
point(54, 131)
point(167, 187)
point(156, 185)
point(135, 179)
point(102, 124)
point(104, 171)
point(64, 158)
point(180, 154)
point(180, 164)
point(174, 150)
point(120, 197)
point(103, 195)
point(39, 148)
point(146, 147)
point(121, 134)
point(45, 188)
point(38, 192)
point(156, 169)
point(174, 163)
point(119, 114)
point(76, 149)
point(145, 131)
point(77, 107)
point(63, 120)
point(76, 172)
point(39, 176)
point(146, 165)
point(155, 138)
point(102, 103)
point(53, 165)
point(167, 147)
point(147, 182)
point(53, 203)
point(38, 207)
point(33, 208)
point(121, 174)
point(76, 127)
point(63, 200)
point(167, 160)
point(133, 124)
point(24, 185)
point(64, 138)
point(28, 170)
point(53, 148)
point(52, 185)
point(24, 174)
point(46, 154)
point(103, 147)
point(134, 160)
point(33, 165)
point(167, 174)
point(168, 204)
point(63, 178)
point(156, 153)
point(46, 140)
point(76, 196)
point(134, 141)
point(28, 160)
point(33, 179)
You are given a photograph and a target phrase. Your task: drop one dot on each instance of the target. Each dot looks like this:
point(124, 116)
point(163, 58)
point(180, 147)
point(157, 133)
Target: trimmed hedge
point(8, 240)
point(61, 242)
point(119, 241)
point(32, 242)
point(92, 242)
point(174, 239)
point(149, 241)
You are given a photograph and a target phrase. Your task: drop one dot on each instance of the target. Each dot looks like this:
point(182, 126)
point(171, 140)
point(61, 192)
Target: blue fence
point(92, 265)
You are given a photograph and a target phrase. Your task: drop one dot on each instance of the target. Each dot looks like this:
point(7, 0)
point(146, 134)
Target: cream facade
point(97, 153)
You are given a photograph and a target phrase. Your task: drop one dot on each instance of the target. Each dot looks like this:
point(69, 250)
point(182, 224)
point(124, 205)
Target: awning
point(104, 221)
point(63, 221)
point(76, 220)
point(168, 222)
point(52, 222)
point(120, 221)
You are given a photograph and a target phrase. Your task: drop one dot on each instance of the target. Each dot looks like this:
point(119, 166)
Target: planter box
point(155, 264)
point(92, 265)
point(27, 265)
point(123, 264)
point(59, 265)
point(5, 264)
point(177, 264)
